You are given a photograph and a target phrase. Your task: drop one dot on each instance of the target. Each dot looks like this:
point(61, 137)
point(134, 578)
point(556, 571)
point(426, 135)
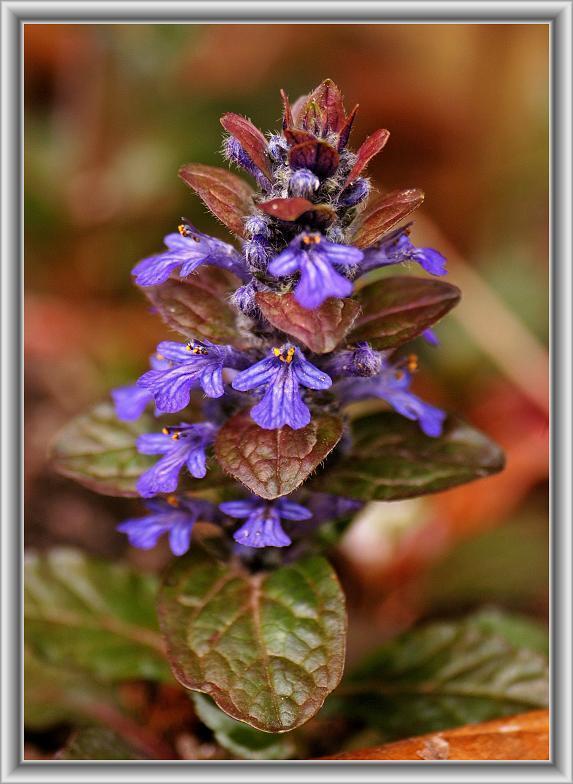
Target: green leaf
point(98, 450)
point(518, 630)
point(320, 329)
point(239, 738)
point(90, 616)
point(98, 743)
point(197, 306)
point(442, 675)
point(53, 695)
point(273, 463)
point(267, 647)
point(227, 196)
point(391, 459)
point(395, 310)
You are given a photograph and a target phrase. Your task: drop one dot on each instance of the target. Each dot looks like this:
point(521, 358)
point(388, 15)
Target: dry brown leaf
point(521, 737)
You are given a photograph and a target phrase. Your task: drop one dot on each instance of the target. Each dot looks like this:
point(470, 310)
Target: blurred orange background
point(111, 111)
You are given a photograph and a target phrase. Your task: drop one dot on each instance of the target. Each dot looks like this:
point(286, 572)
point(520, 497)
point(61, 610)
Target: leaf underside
point(239, 738)
point(268, 647)
point(382, 214)
point(227, 196)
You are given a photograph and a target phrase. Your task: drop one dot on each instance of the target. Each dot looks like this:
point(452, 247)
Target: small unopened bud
point(256, 255)
point(354, 193)
point(335, 234)
point(244, 300)
point(256, 226)
point(303, 183)
point(277, 148)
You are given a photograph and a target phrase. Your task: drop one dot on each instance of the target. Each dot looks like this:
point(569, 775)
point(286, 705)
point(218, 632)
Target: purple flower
point(393, 385)
point(182, 445)
point(131, 401)
point(326, 507)
point(314, 257)
point(186, 251)
point(396, 248)
point(175, 516)
point(263, 525)
point(198, 363)
point(281, 375)
point(430, 337)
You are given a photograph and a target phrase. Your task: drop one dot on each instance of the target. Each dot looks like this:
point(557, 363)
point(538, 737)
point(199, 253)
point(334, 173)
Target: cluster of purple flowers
point(297, 238)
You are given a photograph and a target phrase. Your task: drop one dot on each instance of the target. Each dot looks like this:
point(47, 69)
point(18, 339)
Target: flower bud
point(303, 183)
point(354, 193)
point(244, 299)
point(277, 148)
point(257, 226)
point(256, 254)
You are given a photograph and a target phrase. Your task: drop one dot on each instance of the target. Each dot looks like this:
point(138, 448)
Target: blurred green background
point(112, 110)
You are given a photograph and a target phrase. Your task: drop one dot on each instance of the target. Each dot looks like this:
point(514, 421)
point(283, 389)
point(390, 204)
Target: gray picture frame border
point(14, 15)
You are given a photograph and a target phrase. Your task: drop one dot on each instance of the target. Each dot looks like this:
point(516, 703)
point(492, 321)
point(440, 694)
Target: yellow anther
point(399, 374)
point(195, 349)
point(176, 435)
point(172, 500)
point(412, 363)
point(165, 431)
point(311, 239)
point(284, 357)
point(186, 231)
point(159, 356)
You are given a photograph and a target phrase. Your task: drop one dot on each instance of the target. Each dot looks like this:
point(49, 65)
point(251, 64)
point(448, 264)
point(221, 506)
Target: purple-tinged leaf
point(367, 150)
point(272, 463)
point(382, 214)
point(267, 647)
point(392, 459)
point(250, 138)
point(321, 329)
point(396, 310)
point(228, 197)
point(297, 109)
point(318, 156)
point(298, 136)
point(197, 306)
point(328, 99)
point(299, 209)
point(344, 134)
point(288, 120)
point(286, 209)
